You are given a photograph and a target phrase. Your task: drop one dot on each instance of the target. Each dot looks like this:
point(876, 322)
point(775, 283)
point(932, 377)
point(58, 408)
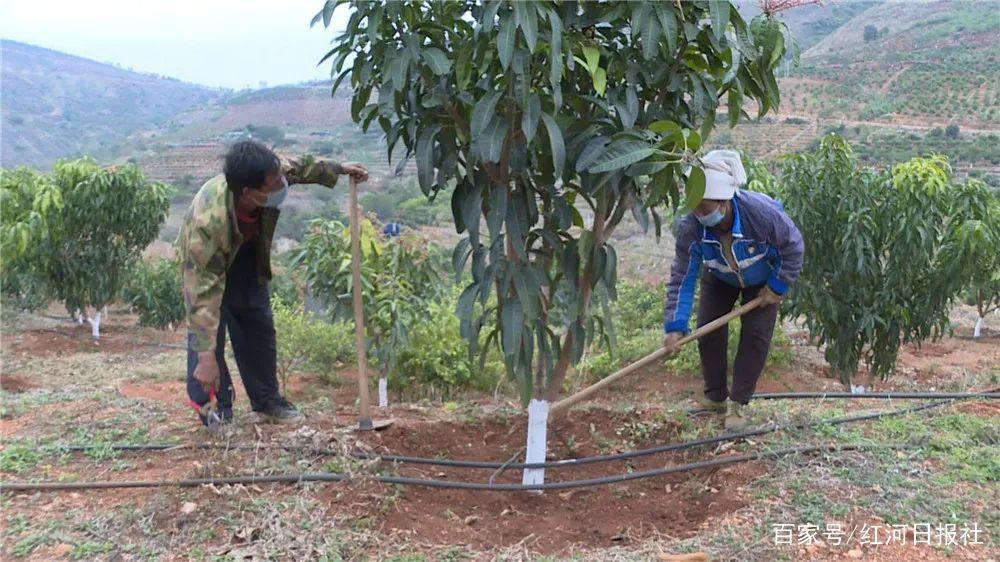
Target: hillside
point(932, 63)
point(811, 23)
point(897, 79)
point(57, 105)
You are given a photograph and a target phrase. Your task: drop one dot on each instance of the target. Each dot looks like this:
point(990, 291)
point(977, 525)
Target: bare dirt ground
point(60, 389)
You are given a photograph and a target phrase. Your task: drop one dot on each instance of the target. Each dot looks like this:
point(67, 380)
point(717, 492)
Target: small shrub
point(156, 293)
point(437, 356)
point(306, 342)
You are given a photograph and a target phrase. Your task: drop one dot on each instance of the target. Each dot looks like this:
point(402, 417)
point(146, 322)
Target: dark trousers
point(246, 315)
point(756, 328)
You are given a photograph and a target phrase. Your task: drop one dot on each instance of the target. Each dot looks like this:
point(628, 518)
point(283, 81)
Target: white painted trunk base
point(383, 393)
point(979, 328)
point(95, 326)
point(538, 421)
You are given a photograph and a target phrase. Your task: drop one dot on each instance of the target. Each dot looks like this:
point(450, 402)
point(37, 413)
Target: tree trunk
point(977, 331)
point(538, 409)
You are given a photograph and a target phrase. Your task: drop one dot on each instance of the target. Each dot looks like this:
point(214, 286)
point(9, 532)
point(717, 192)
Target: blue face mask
point(275, 199)
point(711, 219)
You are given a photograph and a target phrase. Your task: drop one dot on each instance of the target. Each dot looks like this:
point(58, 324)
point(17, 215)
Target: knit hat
point(724, 173)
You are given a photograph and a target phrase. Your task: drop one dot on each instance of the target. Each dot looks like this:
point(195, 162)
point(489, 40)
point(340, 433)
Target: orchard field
point(539, 154)
point(60, 390)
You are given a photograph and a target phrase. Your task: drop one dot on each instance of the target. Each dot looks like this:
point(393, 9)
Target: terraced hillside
point(931, 63)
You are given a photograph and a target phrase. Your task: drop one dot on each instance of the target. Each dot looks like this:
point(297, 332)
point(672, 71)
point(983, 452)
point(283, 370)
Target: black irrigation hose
point(991, 395)
point(450, 484)
point(403, 459)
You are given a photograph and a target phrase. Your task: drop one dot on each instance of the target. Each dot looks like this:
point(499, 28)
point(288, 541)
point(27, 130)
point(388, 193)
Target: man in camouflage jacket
point(225, 251)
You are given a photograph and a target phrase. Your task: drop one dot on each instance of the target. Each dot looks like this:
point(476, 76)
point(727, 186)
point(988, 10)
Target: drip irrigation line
point(404, 459)
point(990, 395)
point(662, 448)
point(432, 483)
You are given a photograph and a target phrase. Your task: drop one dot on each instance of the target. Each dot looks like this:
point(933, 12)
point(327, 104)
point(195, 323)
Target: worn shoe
point(702, 402)
point(279, 410)
point(736, 419)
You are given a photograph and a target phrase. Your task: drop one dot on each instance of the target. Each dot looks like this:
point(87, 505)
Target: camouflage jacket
point(210, 237)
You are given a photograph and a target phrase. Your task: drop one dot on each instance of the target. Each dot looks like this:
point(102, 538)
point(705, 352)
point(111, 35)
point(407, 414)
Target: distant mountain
point(58, 105)
point(809, 24)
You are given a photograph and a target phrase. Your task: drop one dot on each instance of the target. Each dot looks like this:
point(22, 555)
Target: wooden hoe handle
point(661, 353)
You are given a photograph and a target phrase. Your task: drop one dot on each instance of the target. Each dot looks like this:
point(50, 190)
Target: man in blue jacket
point(748, 247)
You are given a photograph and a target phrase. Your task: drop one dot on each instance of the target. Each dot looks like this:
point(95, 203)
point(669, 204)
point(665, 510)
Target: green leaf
point(529, 120)
point(513, 326)
point(734, 107)
point(720, 16)
point(600, 81)
point(693, 141)
point(707, 125)
point(436, 60)
point(460, 255)
point(694, 188)
point(664, 127)
point(527, 20)
point(483, 112)
point(555, 51)
point(586, 245)
point(650, 34)
point(556, 144)
point(591, 151)
point(492, 139)
point(424, 157)
point(497, 210)
point(506, 40)
point(668, 23)
point(463, 68)
point(593, 58)
point(777, 49)
point(620, 154)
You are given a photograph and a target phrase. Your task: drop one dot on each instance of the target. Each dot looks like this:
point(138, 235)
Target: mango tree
point(550, 121)
point(400, 276)
point(888, 252)
point(28, 201)
point(108, 216)
point(983, 291)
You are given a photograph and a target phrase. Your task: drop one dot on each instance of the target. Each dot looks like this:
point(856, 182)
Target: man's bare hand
point(355, 170)
point(769, 297)
point(671, 340)
point(207, 371)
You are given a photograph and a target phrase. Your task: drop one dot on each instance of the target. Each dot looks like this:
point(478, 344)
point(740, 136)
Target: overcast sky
point(230, 43)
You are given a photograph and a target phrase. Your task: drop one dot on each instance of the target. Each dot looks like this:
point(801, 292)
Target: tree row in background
point(76, 234)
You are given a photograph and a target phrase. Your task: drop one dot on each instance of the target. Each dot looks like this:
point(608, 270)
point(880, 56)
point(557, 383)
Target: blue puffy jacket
point(767, 246)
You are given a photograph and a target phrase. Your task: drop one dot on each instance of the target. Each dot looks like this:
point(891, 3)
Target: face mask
point(275, 199)
point(711, 219)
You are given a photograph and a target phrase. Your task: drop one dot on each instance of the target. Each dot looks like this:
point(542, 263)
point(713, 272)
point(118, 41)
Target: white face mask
point(713, 218)
point(275, 199)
